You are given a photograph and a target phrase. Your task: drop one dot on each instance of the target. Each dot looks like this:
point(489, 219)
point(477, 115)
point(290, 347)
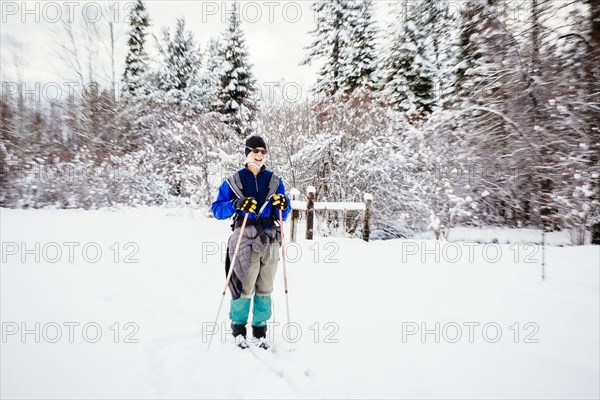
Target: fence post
point(367, 217)
point(310, 212)
point(294, 195)
point(348, 220)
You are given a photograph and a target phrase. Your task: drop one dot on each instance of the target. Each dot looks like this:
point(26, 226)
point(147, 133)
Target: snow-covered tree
point(289, 126)
point(136, 60)
point(176, 116)
point(568, 97)
point(360, 56)
point(181, 60)
point(331, 41)
point(408, 75)
point(592, 67)
point(344, 43)
point(437, 175)
point(444, 26)
point(238, 85)
point(214, 63)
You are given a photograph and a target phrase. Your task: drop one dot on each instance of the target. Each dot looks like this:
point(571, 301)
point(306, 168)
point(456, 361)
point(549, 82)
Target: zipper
point(256, 183)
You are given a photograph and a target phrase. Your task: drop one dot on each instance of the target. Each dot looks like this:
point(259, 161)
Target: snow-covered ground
point(122, 300)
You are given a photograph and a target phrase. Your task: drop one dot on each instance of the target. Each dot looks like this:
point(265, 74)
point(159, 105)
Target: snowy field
point(100, 304)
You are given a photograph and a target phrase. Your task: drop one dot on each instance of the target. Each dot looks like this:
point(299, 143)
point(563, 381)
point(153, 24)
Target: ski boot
point(239, 334)
point(260, 334)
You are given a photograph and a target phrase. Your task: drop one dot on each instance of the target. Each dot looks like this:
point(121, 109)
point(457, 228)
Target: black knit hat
point(253, 142)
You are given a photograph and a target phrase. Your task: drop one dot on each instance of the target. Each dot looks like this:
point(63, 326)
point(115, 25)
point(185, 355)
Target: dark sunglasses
point(256, 151)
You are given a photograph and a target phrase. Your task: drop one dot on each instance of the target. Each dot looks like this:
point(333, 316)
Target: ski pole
point(229, 273)
point(285, 285)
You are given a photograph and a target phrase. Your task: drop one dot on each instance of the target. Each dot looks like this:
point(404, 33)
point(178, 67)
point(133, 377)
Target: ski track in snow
point(186, 363)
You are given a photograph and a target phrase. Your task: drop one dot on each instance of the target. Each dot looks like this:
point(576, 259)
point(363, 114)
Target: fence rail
point(310, 206)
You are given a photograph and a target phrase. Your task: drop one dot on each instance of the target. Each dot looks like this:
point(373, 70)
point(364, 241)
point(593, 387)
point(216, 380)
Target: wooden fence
point(310, 206)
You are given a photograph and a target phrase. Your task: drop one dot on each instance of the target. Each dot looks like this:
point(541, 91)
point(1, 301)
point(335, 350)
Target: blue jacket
point(244, 184)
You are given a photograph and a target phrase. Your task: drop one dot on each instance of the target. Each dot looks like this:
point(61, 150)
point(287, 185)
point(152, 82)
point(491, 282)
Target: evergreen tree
point(214, 62)
point(408, 83)
point(477, 49)
point(173, 108)
point(360, 55)
point(136, 61)
point(330, 44)
point(181, 60)
point(238, 85)
point(344, 41)
point(443, 28)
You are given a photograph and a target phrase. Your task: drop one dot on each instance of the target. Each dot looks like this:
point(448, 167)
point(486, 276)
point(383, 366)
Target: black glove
point(247, 204)
point(280, 202)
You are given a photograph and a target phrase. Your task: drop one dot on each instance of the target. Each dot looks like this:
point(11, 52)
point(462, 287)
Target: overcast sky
point(276, 33)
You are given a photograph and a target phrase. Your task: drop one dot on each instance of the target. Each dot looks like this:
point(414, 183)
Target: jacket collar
point(259, 172)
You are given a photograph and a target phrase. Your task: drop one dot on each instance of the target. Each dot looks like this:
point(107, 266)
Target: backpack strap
point(273, 185)
point(235, 183)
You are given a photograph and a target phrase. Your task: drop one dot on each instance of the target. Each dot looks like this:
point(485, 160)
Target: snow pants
point(253, 274)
